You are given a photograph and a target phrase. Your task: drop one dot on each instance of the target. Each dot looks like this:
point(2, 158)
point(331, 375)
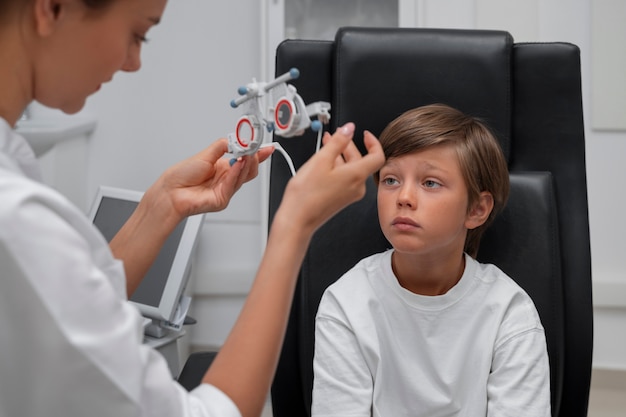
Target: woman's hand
point(206, 182)
point(331, 179)
point(203, 183)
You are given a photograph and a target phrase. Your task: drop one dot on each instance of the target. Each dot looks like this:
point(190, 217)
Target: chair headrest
point(382, 72)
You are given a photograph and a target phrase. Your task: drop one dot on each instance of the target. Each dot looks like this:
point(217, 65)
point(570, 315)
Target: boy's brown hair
point(480, 156)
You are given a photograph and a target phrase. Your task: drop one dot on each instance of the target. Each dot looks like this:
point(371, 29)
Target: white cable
point(284, 153)
point(319, 140)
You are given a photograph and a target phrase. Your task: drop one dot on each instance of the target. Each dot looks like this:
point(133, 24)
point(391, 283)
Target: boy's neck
point(425, 275)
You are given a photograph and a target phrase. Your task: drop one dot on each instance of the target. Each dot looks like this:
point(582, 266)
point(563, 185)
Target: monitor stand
point(155, 329)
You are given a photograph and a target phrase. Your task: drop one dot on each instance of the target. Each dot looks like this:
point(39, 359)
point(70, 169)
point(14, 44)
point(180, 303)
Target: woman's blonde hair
point(482, 162)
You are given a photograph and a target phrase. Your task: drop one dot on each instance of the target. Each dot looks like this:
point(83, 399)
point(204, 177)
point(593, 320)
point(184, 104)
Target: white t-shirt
point(381, 350)
point(71, 344)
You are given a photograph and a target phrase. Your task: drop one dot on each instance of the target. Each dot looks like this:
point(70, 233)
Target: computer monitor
point(160, 295)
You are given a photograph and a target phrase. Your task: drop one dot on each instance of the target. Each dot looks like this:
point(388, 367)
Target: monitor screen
point(158, 294)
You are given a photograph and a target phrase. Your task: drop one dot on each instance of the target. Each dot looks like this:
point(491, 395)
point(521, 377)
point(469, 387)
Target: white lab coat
point(70, 343)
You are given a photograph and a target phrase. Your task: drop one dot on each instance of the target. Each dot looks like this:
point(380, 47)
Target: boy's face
point(423, 202)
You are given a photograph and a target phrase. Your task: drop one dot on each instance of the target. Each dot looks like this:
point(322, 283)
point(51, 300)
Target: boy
point(424, 329)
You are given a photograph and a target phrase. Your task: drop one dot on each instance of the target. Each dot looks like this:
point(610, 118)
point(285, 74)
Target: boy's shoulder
point(491, 275)
point(357, 290)
point(502, 290)
point(357, 279)
point(374, 264)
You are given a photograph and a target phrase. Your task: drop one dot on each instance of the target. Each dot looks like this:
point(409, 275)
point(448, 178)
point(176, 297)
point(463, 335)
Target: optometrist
point(71, 344)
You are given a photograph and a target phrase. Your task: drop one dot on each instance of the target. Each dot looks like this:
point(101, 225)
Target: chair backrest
point(530, 95)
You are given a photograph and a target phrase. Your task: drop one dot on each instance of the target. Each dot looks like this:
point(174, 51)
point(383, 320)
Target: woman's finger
point(214, 151)
point(336, 144)
point(325, 139)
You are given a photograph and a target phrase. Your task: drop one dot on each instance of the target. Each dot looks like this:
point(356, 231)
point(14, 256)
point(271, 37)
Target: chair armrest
point(195, 367)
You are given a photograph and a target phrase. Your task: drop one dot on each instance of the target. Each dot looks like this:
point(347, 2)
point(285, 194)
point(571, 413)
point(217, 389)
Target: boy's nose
point(407, 198)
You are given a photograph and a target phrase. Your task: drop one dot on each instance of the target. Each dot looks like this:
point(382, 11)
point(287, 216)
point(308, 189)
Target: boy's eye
point(389, 181)
point(431, 184)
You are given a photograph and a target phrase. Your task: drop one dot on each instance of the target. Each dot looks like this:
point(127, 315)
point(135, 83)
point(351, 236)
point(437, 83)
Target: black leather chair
point(530, 94)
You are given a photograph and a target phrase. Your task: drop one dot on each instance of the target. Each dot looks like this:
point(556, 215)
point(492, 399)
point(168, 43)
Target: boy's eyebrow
point(422, 164)
point(429, 165)
point(154, 20)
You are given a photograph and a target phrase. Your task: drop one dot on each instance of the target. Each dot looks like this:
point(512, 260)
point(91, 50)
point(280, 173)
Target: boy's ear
point(480, 212)
point(47, 14)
